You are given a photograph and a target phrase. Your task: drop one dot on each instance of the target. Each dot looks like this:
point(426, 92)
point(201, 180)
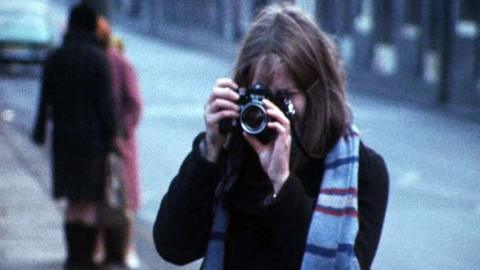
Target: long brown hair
point(312, 60)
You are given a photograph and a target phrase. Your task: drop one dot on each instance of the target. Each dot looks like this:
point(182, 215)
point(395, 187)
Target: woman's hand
point(221, 104)
point(274, 156)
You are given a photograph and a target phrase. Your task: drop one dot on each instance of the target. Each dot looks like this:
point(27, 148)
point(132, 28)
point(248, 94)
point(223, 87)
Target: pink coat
point(128, 106)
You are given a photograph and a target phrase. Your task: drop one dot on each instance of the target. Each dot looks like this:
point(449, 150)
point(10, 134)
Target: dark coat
point(262, 234)
point(76, 95)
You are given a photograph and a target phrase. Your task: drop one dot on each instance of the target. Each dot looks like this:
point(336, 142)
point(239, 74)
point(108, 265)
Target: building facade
point(422, 50)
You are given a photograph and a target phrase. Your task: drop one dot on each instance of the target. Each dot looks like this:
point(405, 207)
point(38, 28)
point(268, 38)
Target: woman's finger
point(222, 104)
point(226, 82)
point(274, 112)
point(277, 127)
point(214, 118)
point(279, 117)
point(223, 93)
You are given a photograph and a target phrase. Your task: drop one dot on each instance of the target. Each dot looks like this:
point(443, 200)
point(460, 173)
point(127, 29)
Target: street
point(434, 209)
point(433, 158)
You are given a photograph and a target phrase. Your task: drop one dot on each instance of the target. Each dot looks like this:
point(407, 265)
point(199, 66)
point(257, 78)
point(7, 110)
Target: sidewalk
point(30, 223)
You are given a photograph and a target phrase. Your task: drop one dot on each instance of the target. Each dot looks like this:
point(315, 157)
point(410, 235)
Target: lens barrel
point(253, 117)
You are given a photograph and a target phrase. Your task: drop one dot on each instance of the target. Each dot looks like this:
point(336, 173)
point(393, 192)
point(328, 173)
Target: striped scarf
point(334, 224)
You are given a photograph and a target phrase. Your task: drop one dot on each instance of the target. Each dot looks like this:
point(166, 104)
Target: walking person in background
point(118, 240)
point(76, 95)
point(288, 184)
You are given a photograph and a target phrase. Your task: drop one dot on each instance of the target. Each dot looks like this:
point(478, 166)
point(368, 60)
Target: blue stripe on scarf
point(345, 248)
point(328, 252)
point(324, 252)
point(339, 191)
point(339, 162)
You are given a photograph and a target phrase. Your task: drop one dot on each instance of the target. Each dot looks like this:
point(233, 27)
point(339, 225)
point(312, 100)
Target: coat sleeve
point(184, 220)
point(39, 133)
point(373, 197)
point(290, 214)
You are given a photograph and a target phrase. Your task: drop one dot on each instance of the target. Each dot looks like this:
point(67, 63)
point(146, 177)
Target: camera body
point(253, 115)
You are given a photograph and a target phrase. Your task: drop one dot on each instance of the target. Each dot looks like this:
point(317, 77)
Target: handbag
point(112, 210)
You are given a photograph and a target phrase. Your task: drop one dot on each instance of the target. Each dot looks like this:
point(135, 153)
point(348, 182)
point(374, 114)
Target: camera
point(253, 115)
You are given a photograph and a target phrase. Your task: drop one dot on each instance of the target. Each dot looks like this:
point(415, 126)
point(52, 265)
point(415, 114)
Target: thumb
point(256, 145)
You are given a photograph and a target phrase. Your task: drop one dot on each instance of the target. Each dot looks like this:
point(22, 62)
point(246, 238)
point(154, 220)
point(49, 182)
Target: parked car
point(26, 34)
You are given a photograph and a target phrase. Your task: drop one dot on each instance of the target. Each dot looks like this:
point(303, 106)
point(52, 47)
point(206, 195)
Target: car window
point(24, 21)
point(24, 6)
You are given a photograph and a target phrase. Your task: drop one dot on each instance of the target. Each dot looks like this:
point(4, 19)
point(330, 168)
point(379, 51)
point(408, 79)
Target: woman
point(76, 95)
point(313, 202)
point(119, 240)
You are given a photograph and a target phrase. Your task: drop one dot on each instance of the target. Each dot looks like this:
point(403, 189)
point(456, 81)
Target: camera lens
point(253, 118)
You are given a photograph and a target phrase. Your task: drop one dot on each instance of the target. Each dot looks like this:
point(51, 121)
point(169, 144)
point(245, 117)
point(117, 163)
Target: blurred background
point(413, 70)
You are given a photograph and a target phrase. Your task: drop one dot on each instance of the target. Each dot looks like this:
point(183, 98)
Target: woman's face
point(282, 81)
